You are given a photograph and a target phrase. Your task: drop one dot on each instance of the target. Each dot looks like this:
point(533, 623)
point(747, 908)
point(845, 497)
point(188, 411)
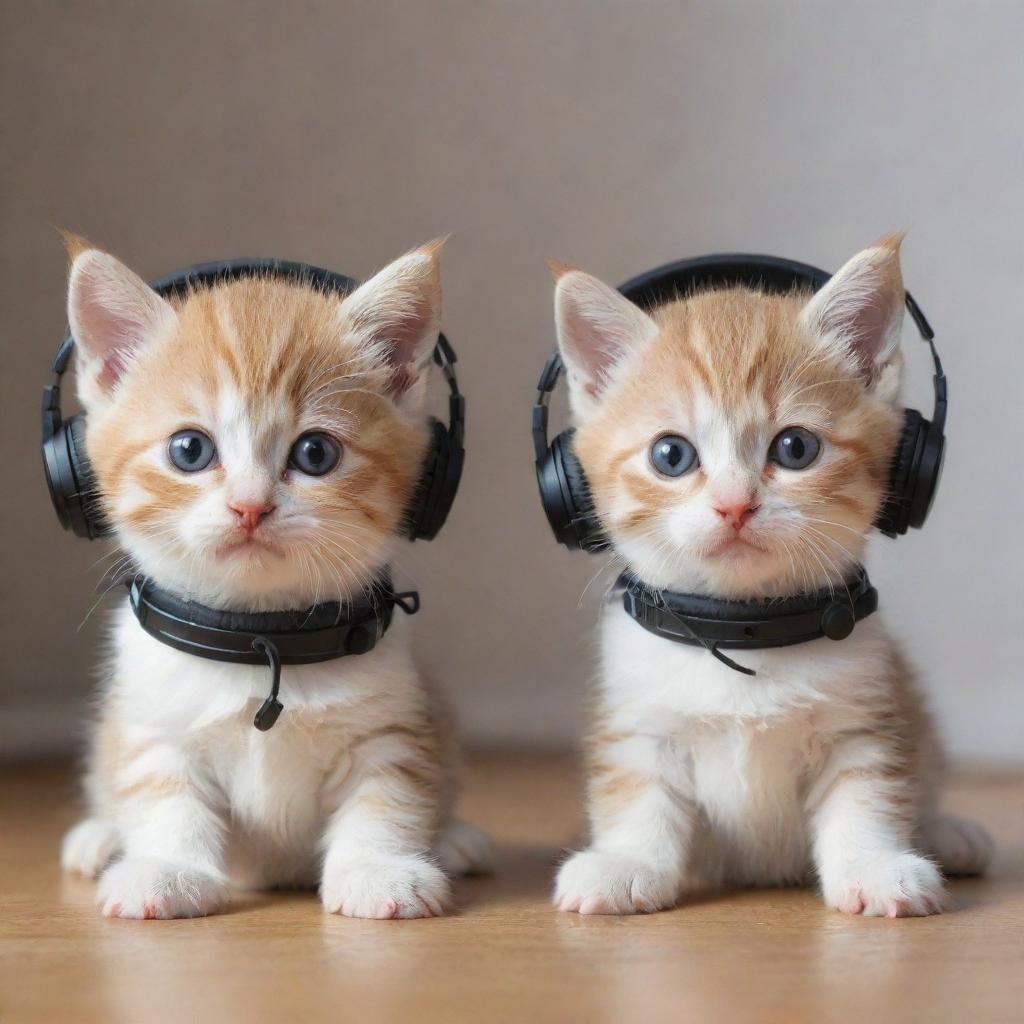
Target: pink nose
point(737, 514)
point(250, 514)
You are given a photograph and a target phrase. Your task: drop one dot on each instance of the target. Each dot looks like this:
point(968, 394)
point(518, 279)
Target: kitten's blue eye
point(672, 455)
point(314, 454)
point(794, 448)
point(190, 450)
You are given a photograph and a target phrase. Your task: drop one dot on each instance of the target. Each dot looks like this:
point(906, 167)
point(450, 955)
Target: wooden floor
point(506, 955)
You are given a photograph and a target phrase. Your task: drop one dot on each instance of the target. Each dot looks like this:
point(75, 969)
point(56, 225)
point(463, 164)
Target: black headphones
point(70, 478)
point(917, 461)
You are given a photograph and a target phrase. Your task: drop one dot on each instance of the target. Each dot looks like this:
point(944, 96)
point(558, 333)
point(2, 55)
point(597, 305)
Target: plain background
point(614, 135)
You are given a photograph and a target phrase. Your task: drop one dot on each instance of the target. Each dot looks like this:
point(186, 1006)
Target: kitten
point(353, 789)
point(825, 760)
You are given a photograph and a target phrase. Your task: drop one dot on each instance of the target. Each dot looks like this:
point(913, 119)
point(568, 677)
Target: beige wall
point(617, 136)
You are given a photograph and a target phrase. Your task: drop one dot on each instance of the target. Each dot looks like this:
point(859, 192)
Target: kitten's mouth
point(735, 546)
point(249, 547)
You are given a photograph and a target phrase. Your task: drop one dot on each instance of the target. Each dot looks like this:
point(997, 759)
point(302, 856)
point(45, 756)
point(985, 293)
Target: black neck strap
point(320, 633)
point(714, 623)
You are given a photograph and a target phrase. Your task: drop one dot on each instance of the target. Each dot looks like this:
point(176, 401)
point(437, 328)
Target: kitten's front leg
point(642, 812)
point(864, 807)
point(378, 842)
point(173, 838)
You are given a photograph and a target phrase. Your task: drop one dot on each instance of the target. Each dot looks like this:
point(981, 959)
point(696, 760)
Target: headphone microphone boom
point(917, 461)
point(70, 478)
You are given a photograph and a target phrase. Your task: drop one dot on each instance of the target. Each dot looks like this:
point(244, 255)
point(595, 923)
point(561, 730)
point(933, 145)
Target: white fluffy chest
point(750, 781)
point(276, 788)
point(748, 747)
point(272, 781)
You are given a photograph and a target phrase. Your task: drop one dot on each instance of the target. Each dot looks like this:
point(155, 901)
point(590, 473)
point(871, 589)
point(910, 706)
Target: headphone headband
point(918, 463)
point(771, 274)
point(70, 478)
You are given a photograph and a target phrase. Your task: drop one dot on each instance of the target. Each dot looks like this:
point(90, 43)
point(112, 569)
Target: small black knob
point(837, 621)
point(358, 641)
point(268, 714)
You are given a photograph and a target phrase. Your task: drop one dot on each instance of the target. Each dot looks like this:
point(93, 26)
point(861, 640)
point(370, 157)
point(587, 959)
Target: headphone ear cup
point(437, 486)
point(71, 481)
point(894, 517)
point(565, 495)
point(94, 522)
point(927, 473)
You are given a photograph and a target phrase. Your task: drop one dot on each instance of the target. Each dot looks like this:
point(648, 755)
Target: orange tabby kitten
point(738, 445)
point(256, 444)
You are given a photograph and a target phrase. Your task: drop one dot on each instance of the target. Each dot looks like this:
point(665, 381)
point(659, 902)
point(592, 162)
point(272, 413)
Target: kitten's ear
point(112, 313)
point(397, 313)
point(859, 312)
point(597, 327)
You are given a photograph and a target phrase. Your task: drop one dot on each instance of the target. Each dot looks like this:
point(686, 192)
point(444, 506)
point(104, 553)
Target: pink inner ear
point(402, 378)
point(598, 354)
point(406, 338)
point(108, 332)
point(868, 331)
point(110, 337)
point(862, 306)
point(114, 365)
point(597, 327)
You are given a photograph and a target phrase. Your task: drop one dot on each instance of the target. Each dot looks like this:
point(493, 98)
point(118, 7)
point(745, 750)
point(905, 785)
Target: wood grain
point(506, 955)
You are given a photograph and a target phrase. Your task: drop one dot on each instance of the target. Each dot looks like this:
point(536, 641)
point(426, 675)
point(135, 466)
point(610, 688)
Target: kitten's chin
point(737, 571)
point(738, 574)
point(255, 578)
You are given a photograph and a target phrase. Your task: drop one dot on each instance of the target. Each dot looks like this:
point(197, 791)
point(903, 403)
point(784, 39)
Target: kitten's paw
point(463, 849)
point(895, 885)
point(605, 883)
point(962, 847)
point(385, 887)
point(144, 888)
point(89, 847)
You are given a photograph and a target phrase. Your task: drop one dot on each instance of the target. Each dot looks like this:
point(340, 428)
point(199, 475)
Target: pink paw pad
point(853, 903)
